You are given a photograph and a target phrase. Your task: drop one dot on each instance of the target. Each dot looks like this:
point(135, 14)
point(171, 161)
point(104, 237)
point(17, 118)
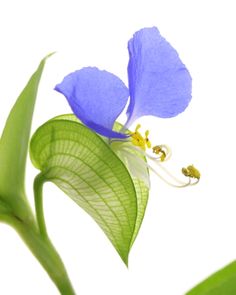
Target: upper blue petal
point(96, 97)
point(160, 85)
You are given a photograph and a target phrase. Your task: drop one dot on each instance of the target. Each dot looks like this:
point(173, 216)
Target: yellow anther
point(139, 140)
point(191, 171)
point(148, 143)
point(159, 151)
point(156, 149)
point(137, 127)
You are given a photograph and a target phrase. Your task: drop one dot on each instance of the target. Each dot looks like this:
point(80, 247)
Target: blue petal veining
point(96, 97)
point(159, 83)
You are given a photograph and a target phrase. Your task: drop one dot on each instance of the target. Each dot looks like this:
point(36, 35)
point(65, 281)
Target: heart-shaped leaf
point(81, 164)
point(136, 164)
point(222, 282)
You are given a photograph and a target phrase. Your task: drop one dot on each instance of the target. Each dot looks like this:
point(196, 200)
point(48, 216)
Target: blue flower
point(159, 85)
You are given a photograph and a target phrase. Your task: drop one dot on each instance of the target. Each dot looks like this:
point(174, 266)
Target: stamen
point(182, 183)
point(162, 153)
point(191, 172)
point(139, 140)
point(178, 184)
point(148, 143)
point(159, 151)
point(167, 182)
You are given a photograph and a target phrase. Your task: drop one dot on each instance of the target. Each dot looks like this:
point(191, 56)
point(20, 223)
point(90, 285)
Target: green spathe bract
point(81, 164)
point(130, 159)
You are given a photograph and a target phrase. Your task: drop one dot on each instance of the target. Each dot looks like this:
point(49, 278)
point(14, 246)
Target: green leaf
point(14, 142)
point(222, 282)
point(81, 164)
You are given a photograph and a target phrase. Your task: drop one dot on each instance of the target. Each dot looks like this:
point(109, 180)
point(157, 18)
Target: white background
point(186, 234)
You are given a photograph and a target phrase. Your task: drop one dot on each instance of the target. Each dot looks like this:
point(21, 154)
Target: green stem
point(44, 251)
point(38, 200)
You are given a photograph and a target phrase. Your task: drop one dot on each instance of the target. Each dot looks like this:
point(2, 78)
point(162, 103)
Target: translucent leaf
point(222, 282)
point(81, 164)
point(14, 143)
point(135, 162)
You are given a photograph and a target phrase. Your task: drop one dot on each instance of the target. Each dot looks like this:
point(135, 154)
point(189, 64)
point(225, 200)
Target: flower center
point(139, 140)
point(162, 154)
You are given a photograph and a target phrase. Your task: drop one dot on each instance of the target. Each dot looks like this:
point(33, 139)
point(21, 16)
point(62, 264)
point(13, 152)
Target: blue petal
point(96, 97)
point(160, 84)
